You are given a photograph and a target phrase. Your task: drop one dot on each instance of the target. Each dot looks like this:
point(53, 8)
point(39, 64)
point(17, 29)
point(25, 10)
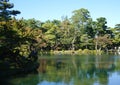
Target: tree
point(66, 36)
point(79, 19)
point(13, 35)
point(89, 28)
point(32, 23)
point(100, 26)
point(101, 42)
point(85, 41)
point(6, 34)
point(116, 33)
point(51, 34)
point(6, 14)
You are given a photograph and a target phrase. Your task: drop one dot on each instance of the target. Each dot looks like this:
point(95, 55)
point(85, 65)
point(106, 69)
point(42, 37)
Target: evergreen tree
point(5, 12)
point(12, 36)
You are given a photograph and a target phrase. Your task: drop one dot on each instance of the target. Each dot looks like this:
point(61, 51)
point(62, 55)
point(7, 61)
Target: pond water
point(74, 70)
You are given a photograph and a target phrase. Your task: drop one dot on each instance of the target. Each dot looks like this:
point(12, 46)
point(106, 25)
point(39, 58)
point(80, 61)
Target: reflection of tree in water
point(81, 71)
point(103, 66)
point(117, 63)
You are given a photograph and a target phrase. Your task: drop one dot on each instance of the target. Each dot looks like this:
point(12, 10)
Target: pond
point(74, 70)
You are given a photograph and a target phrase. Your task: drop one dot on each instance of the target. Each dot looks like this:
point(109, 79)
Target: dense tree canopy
point(77, 32)
point(15, 41)
point(18, 37)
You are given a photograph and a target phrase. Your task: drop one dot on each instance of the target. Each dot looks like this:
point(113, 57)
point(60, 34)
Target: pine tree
point(12, 38)
point(5, 12)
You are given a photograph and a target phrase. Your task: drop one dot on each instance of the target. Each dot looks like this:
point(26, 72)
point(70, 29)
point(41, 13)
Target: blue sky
point(54, 9)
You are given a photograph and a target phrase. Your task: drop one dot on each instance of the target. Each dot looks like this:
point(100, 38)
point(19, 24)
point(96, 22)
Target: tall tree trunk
point(96, 47)
point(73, 44)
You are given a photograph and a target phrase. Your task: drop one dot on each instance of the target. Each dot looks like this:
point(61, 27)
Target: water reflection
point(54, 83)
point(76, 70)
point(84, 70)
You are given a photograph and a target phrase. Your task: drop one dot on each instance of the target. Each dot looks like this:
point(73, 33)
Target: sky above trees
point(54, 9)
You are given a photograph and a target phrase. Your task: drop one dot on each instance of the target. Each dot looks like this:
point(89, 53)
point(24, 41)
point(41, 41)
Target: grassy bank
point(78, 52)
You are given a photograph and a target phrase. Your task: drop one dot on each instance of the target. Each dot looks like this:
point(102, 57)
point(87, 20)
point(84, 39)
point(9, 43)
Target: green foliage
point(77, 32)
point(101, 26)
point(85, 41)
point(102, 42)
point(80, 16)
point(15, 41)
point(5, 14)
point(116, 32)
